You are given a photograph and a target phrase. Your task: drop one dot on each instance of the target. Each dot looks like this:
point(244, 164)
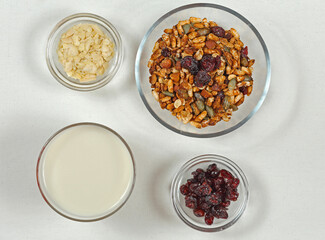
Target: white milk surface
point(87, 171)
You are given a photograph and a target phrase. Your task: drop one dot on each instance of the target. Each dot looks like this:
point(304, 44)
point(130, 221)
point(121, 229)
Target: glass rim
point(203, 135)
point(216, 159)
point(96, 84)
point(38, 172)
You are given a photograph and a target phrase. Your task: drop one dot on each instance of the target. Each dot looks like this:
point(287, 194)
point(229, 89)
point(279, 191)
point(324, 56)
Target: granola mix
point(200, 72)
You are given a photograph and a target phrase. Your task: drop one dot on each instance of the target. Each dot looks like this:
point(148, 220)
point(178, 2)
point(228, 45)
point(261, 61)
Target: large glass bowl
point(227, 18)
point(235, 209)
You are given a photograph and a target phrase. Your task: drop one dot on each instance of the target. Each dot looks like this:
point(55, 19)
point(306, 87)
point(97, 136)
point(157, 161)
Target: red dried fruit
point(228, 36)
point(184, 189)
point(193, 186)
point(225, 203)
point(190, 64)
point(165, 52)
point(243, 90)
point(198, 212)
point(244, 52)
point(218, 31)
point(207, 63)
point(203, 190)
point(225, 174)
point(219, 212)
point(213, 199)
point(208, 219)
point(235, 183)
point(202, 78)
point(190, 201)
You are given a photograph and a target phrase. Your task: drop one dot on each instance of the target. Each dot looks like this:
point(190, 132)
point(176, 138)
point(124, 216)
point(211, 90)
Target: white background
point(281, 149)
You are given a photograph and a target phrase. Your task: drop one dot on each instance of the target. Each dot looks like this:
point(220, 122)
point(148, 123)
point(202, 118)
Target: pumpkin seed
point(234, 107)
point(198, 96)
point(226, 103)
point(247, 78)
point(244, 62)
point(232, 84)
point(168, 93)
point(210, 111)
point(203, 31)
point(186, 28)
point(200, 105)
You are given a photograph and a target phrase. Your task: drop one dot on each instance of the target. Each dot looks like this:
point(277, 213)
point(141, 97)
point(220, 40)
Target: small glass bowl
point(47, 197)
point(56, 67)
point(236, 208)
point(226, 18)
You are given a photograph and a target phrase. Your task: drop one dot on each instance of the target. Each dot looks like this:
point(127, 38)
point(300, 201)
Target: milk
point(87, 171)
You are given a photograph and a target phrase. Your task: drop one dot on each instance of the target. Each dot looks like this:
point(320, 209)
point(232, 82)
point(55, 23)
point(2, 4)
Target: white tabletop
point(281, 149)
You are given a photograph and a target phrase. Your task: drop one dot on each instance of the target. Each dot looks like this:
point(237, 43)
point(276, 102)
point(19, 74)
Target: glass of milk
point(85, 172)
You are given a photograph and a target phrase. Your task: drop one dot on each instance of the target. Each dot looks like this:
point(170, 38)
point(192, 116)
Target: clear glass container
point(49, 199)
point(56, 67)
point(227, 18)
point(236, 208)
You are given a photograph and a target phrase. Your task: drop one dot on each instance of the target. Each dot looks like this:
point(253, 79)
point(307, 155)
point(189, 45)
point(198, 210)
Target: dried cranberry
point(228, 36)
point(213, 199)
point(190, 201)
point(205, 206)
point(203, 190)
point(225, 174)
point(235, 183)
point(212, 167)
point(219, 181)
point(184, 189)
point(219, 212)
point(207, 63)
point(201, 177)
point(214, 174)
point(208, 219)
point(225, 203)
point(198, 212)
point(190, 64)
point(193, 186)
point(232, 195)
point(165, 52)
point(197, 172)
point(244, 52)
point(243, 90)
point(218, 31)
point(202, 78)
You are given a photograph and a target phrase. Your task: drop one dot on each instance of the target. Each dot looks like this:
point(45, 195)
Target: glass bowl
point(51, 199)
point(56, 67)
point(226, 18)
point(236, 208)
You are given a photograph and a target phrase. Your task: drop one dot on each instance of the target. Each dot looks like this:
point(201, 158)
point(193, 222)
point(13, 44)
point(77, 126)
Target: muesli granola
point(200, 72)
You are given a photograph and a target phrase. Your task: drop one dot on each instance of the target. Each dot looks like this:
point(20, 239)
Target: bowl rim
point(242, 122)
point(97, 84)
point(38, 172)
point(219, 160)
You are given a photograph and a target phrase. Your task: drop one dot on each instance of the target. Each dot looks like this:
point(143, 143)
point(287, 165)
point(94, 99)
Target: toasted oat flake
point(85, 51)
